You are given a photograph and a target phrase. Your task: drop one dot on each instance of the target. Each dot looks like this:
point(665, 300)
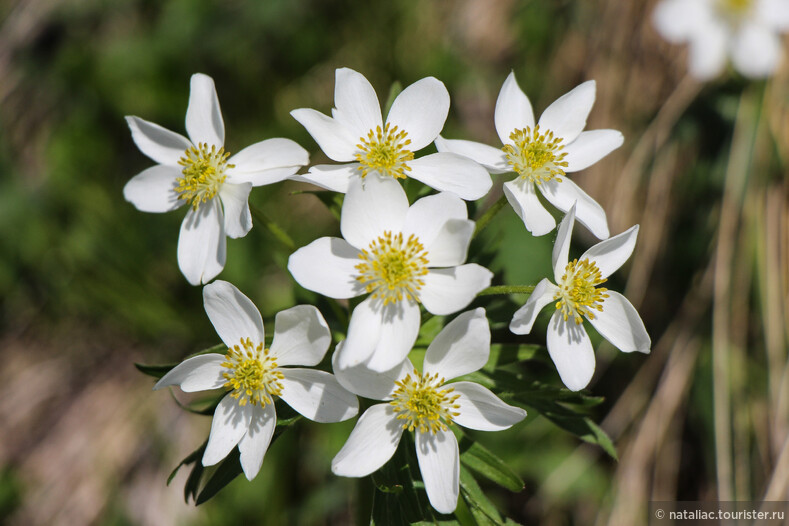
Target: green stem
point(506, 289)
point(489, 214)
point(273, 227)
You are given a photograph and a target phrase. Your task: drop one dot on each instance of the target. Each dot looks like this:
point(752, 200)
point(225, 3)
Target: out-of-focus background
point(89, 285)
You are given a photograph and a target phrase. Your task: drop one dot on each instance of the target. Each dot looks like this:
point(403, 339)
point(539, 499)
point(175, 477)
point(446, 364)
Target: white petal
point(482, 410)
point(202, 243)
point(513, 110)
point(158, 143)
point(543, 295)
point(356, 102)
point(373, 441)
point(153, 189)
point(439, 463)
point(773, 13)
point(587, 211)
point(334, 139)
point(301, 336)
point(204, 122)
point(571, 351)
point(371, 207)
point(332, 177)
point(398, 331)
point(566, 117)
point(364, 331)
point(198, 373)
point(421, 110)
point(447, 290)
point(590, 147)
point(612, 253)
point(462, 347)
point(230, 424)
point(327, 266)
point(620, 324)
point(439, 222)
point(756, 50)
point(708, 50)
point(317, 395)
point(450, 172)
point(561, 247)
point(232, 314)
point(450, 246)
point(363, 381)
point(267, 162)
point(523, 199)
point(255, 442)
point(678, 20)
point(235, 200)
point(493, 159)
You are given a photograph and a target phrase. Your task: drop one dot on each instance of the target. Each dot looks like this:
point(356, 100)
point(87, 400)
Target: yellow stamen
point(578, 294)
point(204, 173)
point(422, 405)
point(536, 156)
point(385, 151)
point(391, 268)
point(253, 375)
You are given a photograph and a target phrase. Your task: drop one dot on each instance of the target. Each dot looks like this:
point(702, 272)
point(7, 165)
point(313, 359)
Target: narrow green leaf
point(394, 91)
point(224, 474)
point(485, 463)
point(482, 509)
point(273, 227)
point(194, 456)
point(156, 371)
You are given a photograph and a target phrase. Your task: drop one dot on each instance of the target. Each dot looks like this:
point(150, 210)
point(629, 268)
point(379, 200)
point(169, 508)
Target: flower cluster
point(400, 256)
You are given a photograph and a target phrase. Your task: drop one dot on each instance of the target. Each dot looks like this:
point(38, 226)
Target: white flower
point(745, 30)
point(425, 404)
point(543, 154)
point(392, 250)
point(576, 296)
point(357, 134)
point(198, 171)
point(254, 375)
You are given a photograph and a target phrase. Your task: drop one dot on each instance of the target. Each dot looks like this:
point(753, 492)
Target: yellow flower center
point(536, 156)
point(253, 375)
point(578, 294)
point(204, 173)
point(422, 404)
point(385, 151)
point(392, 267)
point(734, 8)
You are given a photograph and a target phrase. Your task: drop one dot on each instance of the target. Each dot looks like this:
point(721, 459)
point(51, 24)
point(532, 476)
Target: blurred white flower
point(254, 375)
point(543, 154)
point(425, 404)
point(201, 173)
point(577, 295)
point(391, 251)
point(356, 133)
point(748, 31)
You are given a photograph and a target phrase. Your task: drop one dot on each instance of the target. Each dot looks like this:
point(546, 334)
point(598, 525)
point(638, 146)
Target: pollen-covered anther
point(422, 404)
point(535, 156)
point(203, 173)
point(253, 376)
point(385, 150)
point(578, 294)
point(392, 267)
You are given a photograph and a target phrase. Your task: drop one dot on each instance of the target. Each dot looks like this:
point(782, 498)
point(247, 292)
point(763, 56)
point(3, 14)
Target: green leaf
point(394, 91)
point(156, 371)
point(192, 457)
point(482, 509)
point(224, 474)
point(586, 429)
point(485, 463)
